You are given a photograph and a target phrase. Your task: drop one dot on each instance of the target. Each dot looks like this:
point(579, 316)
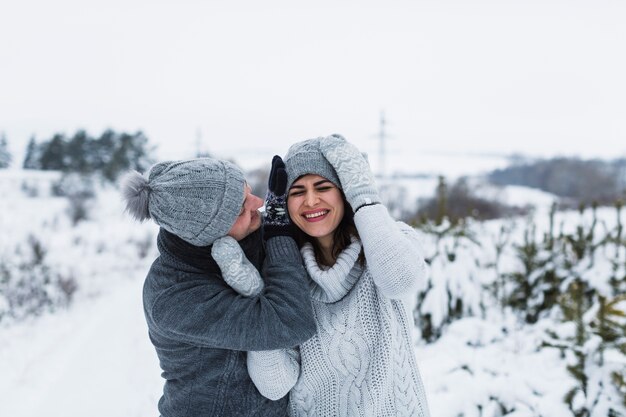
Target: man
point(201, 328)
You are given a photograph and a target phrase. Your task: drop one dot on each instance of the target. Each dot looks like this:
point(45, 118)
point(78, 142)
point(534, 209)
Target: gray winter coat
point(201, 328)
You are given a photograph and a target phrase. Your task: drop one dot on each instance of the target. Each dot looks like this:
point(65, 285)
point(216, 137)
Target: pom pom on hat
point(135, 192)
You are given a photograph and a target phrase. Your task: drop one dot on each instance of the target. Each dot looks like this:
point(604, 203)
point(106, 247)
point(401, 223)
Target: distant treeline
point(458, 202)
point(108, 155)
point(580, 181)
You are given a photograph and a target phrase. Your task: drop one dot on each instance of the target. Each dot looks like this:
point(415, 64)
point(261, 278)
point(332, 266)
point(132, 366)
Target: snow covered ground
point(94, 357)
point(93, 360)
point(479, 362)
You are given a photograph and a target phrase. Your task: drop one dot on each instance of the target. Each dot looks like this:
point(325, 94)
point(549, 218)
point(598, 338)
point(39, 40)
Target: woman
point(361, 264)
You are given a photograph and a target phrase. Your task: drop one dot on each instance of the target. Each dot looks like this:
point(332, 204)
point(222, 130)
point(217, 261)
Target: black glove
point(277, 222)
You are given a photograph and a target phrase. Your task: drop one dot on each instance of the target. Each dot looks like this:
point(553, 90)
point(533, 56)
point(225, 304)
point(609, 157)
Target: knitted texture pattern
point(306, 158)
point(198, 200)
point(275, 210)
point(237, 270)
point(274, 365)
point(352, 169)
point(326, 287)
point(361, 361)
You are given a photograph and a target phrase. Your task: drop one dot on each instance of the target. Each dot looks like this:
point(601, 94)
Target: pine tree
point(501, 242)
point(442, 191)
point(574, 303)
point(5, 155)
point(619, 380)
point(131, 152)
point(32, 158)
point(618, 262)
point(535, 288)
point(454, 243)
point(599, 323)
point(53, 155)
point(103, 151)
point(594, 335)
point(77, 153)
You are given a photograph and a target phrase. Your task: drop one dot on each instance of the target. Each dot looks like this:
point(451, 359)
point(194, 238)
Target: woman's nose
point(311, 199)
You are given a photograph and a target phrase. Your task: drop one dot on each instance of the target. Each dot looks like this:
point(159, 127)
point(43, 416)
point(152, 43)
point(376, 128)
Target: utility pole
point(201, 152)
point(382, 152)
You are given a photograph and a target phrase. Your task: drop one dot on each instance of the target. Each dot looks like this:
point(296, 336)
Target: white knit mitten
point(236, 269)
point(352, 169)
point(274, 372)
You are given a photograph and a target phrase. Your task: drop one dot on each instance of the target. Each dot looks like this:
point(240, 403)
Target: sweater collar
point(331, 284)
point(200, 256)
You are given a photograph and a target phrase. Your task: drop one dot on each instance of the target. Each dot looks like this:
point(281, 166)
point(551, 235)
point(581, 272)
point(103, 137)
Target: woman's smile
point(315, 215)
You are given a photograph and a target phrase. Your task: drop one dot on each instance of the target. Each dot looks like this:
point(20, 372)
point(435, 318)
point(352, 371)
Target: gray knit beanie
point(198, 200)
point(306, 158)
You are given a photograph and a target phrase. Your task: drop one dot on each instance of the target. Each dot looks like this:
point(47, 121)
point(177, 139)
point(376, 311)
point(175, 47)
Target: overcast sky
point(536, 76)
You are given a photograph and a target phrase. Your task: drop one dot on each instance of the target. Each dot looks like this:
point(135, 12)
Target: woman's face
point(315, 205)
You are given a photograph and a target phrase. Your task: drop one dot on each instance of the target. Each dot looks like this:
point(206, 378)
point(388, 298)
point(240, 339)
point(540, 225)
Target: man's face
point(249, 219)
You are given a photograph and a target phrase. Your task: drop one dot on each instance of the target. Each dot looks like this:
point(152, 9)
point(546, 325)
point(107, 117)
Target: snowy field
point(93, 358)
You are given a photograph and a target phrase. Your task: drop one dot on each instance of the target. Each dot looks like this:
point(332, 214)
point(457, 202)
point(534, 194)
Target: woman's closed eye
point(322, 189)
point(325, 188)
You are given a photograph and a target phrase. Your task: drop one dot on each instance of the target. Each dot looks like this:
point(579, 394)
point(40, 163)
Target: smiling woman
point(361, 265)
point(316, 207)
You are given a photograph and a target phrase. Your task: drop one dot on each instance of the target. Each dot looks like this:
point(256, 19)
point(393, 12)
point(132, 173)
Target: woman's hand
point(236, 269)
point(277, 222)
point(353, 171)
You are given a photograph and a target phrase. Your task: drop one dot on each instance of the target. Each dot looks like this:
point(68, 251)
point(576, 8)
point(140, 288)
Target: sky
point(245, 79)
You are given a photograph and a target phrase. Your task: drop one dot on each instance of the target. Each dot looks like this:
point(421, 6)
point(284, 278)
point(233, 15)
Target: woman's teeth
point(314, 215)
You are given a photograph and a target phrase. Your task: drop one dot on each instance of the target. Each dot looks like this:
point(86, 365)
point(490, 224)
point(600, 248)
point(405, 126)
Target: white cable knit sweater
point(361, 362)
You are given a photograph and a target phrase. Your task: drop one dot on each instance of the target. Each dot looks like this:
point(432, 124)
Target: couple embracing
point(298, 312)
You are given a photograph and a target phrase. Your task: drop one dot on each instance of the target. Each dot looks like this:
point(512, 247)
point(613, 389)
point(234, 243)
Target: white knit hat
point(306, 158)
